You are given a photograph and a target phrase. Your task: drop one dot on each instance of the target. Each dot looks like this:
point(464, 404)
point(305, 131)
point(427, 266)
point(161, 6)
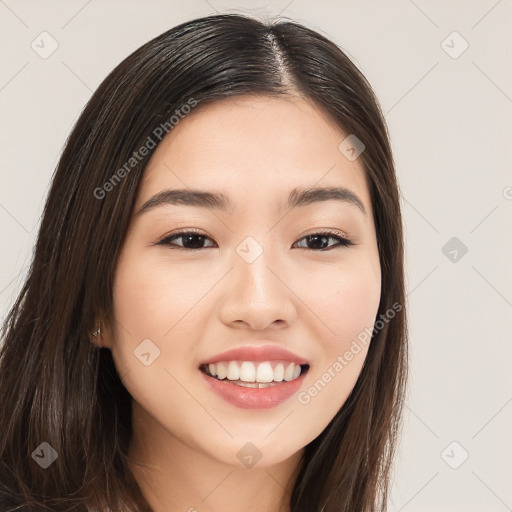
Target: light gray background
point(451, 129)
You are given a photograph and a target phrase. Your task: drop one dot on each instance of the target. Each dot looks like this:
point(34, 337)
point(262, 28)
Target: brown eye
point(190, 241)
point(320, 241)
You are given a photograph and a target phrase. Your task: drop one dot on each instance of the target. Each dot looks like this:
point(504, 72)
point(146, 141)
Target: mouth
point(252, 374)
point(254, 385)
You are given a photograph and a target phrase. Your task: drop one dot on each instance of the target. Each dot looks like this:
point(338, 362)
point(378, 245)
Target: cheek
point(151, 296)
point(346, 304)
point(344, 298)
point(353, 305)
point(159, 302)
point(163, 302)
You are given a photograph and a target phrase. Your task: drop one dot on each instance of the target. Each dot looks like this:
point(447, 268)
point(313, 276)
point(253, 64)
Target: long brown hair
point(57, 387)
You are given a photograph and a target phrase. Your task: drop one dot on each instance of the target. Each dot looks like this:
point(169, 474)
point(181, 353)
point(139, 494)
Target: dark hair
point(57, 387)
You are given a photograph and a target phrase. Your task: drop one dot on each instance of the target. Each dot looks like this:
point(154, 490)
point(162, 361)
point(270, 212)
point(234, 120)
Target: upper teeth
point(247, 371)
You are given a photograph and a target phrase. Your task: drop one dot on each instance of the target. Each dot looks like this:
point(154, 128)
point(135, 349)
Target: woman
point(214, 317)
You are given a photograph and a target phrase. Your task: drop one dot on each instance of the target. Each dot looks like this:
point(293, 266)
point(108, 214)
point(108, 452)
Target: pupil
point(318, 237)
point(188, 238)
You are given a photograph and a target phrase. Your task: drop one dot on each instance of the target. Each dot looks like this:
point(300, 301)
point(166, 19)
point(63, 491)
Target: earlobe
point(98, 338)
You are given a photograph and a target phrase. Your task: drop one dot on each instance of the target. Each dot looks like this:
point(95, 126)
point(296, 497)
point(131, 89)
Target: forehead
point(252, 147)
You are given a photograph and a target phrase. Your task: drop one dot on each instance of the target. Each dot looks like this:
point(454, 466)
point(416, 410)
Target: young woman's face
point(251, 281)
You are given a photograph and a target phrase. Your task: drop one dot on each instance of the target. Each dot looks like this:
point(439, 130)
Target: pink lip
point(254, 398)
point(264, 353)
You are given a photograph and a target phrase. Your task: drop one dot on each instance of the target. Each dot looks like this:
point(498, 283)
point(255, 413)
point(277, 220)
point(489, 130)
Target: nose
point(257, 296)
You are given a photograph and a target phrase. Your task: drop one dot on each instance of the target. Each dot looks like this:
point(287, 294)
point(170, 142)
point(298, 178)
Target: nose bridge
point(255, 293)
point(254, 261)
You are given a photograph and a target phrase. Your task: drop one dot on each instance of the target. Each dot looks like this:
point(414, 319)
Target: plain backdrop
point(442, 72)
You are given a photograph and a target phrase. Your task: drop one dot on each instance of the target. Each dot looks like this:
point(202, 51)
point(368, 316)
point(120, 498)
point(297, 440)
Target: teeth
point(222, 371)
point(247, 372)
point(279, 372)
point(250, 374)
point(255, 384)
point(288, 373)
point(233, 371)
point(265, 373)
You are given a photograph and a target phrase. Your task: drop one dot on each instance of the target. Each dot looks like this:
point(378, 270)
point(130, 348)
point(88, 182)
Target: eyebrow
point(218, 201)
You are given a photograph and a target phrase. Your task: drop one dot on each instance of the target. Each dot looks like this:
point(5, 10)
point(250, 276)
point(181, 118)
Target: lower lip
point(254, 398)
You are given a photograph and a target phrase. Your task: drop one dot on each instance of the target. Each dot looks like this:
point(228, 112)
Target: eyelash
point(343, 241)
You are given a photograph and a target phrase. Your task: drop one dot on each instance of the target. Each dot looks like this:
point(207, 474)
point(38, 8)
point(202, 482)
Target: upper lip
point(256, 353)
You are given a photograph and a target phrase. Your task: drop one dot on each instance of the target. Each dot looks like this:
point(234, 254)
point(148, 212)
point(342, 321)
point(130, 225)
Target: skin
point(193, 305)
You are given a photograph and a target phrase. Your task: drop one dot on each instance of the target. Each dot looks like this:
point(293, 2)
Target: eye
point(192, 240)
point(320, 240)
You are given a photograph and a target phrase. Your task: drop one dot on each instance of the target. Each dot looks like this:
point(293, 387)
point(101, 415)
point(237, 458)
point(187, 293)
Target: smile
point(254, 385)
point(255, 374)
